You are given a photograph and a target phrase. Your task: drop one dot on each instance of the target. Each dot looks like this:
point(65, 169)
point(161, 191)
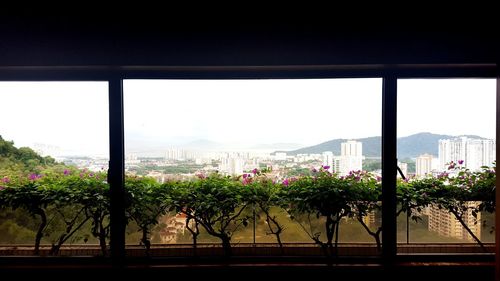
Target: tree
point(215, 202)
point(147, 201)
point(323, 195)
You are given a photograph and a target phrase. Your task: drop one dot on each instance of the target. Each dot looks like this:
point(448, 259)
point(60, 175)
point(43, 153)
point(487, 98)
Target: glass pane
point(266, 135)
point(446, 143)
point(53, 162)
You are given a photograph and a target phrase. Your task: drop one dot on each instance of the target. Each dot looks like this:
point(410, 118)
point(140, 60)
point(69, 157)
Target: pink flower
point(460, 162)
point(286, 182)
point(247, 180)
point(452, 165)
point(66, 172)
point(5, 180)
point(245, 176)
point(255, 171)
point(201, 176)
point(34, 177)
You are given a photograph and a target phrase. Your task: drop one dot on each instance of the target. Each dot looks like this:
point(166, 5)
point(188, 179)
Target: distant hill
point(408, 147)
point(21, 159)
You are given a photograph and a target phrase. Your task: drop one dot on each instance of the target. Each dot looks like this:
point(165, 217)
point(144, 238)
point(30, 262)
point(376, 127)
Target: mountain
point(408, 147)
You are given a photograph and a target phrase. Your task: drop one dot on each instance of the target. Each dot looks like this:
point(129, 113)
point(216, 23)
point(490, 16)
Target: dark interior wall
point(170, 37)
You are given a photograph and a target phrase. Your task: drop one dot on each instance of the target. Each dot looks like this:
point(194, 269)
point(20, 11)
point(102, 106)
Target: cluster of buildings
point(350, 158)
point(472, 154)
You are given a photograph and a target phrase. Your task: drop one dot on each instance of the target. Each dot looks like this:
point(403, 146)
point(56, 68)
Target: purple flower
point(245, 176)
point(452, 165)
point(67, 172)
point(442, 175)
point(5, 180)
point(255, 171)
point(326, 167)
point(460, 162)
point(34, 177)
point(314, 170)
point(285, 182)
point(247, 180)
point(91, 174)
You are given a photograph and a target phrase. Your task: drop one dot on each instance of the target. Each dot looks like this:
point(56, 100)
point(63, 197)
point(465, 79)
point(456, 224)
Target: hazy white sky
point(447, 106)
point(74, 115)
point(70, 115)
point(254, 111)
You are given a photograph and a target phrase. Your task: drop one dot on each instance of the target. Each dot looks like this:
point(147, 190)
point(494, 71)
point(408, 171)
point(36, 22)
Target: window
point(54, 153)
point(447, 149)
point(277, 131)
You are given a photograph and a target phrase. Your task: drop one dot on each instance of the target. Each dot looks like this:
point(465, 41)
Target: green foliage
point(147, 201)
point(371, 165)
point(215, 202)
point(14, 160)
point(62, 203)
point(331, 197)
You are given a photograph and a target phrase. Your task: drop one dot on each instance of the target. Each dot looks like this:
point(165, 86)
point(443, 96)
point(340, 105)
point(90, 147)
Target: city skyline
point(74, 115)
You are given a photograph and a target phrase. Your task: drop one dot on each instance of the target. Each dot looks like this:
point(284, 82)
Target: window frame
point(389, 73)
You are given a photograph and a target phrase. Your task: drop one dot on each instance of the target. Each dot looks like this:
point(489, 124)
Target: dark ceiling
point(168, 37)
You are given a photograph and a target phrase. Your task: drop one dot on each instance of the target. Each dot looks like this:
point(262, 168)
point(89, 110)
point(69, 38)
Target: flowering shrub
point(76, 198)
point(146, 202)
point(266, 194)
point(462, 192)
point(215, 202)
point(323, 195)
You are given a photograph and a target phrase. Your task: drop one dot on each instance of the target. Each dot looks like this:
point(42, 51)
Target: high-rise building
point(445, 223)
point(328, 160)
point(351, 156)
point(489, 152)
point(474, 152)
point(232, 165)
point(423, 165)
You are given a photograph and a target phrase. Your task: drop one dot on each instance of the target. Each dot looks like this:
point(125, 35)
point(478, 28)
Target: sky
point(73, 116)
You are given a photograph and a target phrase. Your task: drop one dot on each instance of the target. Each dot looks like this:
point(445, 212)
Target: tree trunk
point(39, 233)
point(102, 239)
point(375, 235)
point(145, 240)
point(459, 218)
point(63, 238)
point(194, 233)
point(226, 245)
point(337, 224)
point(278, 231)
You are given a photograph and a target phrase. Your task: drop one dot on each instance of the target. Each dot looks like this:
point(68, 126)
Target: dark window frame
point(389, 73)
